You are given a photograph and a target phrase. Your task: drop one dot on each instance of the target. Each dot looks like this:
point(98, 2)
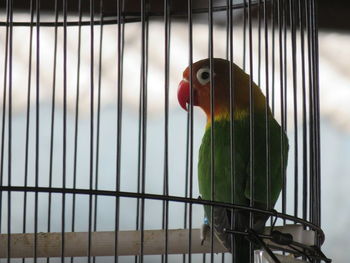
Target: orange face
point(221, 86)
point(201, 85)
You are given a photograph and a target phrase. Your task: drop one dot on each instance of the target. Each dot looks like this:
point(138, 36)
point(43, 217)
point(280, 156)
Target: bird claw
point(204, 230)
point(205, 227)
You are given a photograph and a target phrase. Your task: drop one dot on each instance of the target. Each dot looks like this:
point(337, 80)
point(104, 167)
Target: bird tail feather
point(237, 244)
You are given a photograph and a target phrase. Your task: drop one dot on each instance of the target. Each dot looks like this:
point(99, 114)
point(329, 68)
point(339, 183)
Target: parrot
point(235, 186)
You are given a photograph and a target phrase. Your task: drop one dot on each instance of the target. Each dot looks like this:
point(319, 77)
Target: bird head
point(221, 85)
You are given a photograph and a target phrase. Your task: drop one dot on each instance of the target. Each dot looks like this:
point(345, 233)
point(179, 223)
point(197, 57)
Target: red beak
point(183, 94)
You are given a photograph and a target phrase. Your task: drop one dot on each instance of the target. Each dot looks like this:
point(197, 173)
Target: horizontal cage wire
point(99, 163)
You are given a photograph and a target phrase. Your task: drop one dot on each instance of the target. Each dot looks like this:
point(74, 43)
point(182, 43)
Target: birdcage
point(99, 162)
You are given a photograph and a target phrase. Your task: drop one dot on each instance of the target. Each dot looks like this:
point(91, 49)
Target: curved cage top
point(130, 11)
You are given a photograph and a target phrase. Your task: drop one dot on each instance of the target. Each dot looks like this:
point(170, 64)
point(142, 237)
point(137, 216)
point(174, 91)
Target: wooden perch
point(102, 243)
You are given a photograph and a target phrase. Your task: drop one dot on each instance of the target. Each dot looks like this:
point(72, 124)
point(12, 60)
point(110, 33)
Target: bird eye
point(203, 75)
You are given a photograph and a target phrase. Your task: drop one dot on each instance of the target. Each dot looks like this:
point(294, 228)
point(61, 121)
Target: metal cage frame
point(280, 15)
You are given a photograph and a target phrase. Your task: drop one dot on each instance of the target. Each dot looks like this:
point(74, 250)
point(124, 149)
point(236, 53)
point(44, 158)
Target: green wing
point(275, 153)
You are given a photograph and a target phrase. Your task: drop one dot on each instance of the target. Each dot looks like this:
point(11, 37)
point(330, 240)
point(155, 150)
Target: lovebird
point(234, 185)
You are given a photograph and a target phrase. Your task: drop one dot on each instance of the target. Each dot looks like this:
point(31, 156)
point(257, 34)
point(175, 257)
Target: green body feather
point(240, 177)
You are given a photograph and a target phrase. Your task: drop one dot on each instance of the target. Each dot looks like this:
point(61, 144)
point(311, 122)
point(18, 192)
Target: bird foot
point(204, 230)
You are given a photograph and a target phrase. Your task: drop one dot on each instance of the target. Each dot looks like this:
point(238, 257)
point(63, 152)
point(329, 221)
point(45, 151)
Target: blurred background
point(334, 57)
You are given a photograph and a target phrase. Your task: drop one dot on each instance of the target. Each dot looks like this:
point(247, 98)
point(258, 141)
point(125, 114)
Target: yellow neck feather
point(225, 115)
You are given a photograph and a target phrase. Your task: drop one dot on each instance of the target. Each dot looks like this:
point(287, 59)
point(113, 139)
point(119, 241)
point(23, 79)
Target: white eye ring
point(203, 75)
